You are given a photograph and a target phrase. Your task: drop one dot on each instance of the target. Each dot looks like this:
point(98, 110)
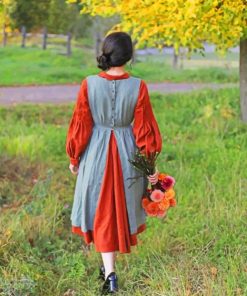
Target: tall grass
point(200, 249)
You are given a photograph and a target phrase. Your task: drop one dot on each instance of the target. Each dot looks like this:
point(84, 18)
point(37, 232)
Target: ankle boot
point(110, 285)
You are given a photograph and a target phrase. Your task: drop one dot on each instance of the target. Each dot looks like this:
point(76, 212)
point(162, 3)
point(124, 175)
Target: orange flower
point(145, 202)
point(164, 204)
point(161, 176)
point(173, 202)
point(169, 194)
point(152, 209)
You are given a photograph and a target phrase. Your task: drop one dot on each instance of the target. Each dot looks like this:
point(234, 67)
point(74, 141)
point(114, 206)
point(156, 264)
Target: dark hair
point(117, 49)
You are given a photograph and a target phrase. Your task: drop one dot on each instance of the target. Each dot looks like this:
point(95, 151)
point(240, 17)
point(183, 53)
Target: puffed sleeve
point(145, 127)
point(80, 126)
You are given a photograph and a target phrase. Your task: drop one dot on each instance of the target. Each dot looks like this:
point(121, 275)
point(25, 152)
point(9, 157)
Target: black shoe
point(111, 284)
point(101, 273)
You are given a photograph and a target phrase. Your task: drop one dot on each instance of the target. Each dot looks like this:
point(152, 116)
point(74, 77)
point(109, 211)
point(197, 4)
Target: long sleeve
point(145, 127)
point(80, 127)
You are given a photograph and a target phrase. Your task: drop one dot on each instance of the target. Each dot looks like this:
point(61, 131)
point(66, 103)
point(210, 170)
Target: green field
point(32, 65)
point(200, 249)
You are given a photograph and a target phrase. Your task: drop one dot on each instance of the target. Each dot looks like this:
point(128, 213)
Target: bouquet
point(161, 196)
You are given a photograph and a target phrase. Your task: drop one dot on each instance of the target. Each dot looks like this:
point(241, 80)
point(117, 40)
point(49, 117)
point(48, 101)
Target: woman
point(112, 117)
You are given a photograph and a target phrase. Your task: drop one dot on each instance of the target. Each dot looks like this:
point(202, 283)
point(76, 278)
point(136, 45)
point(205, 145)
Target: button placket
point(113, 102)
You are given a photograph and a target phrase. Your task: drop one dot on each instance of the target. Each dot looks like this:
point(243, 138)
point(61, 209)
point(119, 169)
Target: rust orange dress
point(111, 231)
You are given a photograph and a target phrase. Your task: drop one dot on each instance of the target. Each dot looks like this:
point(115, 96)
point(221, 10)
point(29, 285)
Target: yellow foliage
point(175, 22)
point(4, 14)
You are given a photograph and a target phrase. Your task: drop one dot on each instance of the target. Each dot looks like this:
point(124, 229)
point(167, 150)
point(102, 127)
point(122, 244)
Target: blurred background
point(47, 48)
point(50, 42)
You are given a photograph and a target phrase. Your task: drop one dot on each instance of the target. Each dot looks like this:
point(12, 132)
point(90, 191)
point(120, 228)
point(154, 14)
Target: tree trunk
point(133, 60)
point(4, 35)
point(24, 35)
point(97, 43)
point(97, 25)
point(69, 36)
point(44, 44)
point(243, 78)
point(175, 59)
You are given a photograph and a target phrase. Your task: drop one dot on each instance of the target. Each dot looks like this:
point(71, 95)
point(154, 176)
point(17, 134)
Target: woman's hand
point(73, 169)
point(153, 179)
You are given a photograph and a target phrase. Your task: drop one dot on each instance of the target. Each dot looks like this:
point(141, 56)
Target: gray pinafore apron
point(112, 104)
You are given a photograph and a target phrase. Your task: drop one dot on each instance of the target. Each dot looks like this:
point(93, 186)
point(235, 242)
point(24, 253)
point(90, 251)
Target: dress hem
point(89, 237)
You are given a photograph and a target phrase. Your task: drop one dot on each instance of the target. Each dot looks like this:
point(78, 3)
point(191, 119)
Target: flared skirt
point(111, 229)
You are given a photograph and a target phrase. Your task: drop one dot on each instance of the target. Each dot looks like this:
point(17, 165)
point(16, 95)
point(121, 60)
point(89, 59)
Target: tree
point(64, 17)
point(56, 15)
point(182, 23)
point(31, 14)
point(6, 7)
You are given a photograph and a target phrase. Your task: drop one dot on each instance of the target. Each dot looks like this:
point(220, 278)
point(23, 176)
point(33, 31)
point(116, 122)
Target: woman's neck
point(116, 70)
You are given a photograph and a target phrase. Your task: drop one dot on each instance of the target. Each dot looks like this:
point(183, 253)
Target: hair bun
point(103, 61)
point(116, 50)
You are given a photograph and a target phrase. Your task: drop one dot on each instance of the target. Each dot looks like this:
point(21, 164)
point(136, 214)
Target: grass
point(200, 249)
point(32, 66)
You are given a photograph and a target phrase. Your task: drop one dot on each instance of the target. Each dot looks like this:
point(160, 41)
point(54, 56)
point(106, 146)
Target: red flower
point(152, 209)
point(145, 202)
point(173, 202)
point(161, 213)
point(168, 182)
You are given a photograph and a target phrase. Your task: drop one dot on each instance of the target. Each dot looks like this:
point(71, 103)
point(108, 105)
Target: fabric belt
point(99, 125)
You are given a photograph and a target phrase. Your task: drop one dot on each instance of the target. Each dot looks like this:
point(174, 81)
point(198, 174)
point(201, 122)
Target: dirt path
point(66, 93)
